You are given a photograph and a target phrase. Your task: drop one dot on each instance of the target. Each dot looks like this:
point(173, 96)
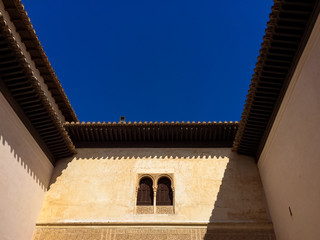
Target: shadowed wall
point(24, 177)
point(289, 164)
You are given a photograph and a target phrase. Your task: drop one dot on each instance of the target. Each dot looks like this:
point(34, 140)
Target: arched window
point(145, 192)
point(164, 192)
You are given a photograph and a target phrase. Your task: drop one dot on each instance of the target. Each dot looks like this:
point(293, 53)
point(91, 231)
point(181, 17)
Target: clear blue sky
point(152, 60)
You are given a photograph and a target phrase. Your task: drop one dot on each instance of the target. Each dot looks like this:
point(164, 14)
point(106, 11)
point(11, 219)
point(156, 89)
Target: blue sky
point(152, 60)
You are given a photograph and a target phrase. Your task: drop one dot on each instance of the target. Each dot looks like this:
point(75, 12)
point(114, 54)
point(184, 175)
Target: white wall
point(25, 172)
point(290, 162)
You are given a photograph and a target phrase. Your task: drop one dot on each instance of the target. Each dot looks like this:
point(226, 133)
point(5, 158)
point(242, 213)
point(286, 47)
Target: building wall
point(99, 185)
point(289, 164)
point(25, 172)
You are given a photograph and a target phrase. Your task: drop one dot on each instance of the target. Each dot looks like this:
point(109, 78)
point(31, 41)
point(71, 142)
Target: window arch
point(145, 192)
point(164, 192)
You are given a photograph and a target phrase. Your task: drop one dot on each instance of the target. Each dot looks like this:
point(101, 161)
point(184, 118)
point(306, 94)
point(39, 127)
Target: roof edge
point(28, 104)
point(39, 57)
point(244, 144)
point(146, 123)
point(152, 134)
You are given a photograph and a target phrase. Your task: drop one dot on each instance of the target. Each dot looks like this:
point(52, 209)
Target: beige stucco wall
point(24, 175)
point(289, 164)
point(99, 185)
point(35, 71)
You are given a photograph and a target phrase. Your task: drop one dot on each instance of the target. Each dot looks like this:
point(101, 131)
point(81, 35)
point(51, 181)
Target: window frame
point(141, 192)
point(155, 208)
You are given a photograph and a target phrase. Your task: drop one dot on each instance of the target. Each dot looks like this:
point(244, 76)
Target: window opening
point(145, 192)
point(164, 192)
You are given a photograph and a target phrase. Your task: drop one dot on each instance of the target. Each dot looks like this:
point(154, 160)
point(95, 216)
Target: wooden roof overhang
point(28, 36)
point(22, 90)
point(152, 135)
point(290, 25)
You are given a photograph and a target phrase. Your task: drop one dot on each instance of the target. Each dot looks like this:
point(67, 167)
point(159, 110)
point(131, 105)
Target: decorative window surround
point(161, 209)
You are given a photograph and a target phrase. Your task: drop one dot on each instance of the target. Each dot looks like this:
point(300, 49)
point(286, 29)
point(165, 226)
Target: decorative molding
point(166, 232)
point(144, 210)
point(164, 210)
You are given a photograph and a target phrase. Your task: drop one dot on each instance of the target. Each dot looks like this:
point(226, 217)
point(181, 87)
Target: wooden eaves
point(290, 25)
point(21, 21)
point(23, 92)
point(152, 134)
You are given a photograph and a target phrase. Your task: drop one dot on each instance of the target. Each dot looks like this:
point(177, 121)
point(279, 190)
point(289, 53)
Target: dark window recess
point(164, 192)
point(145, 192)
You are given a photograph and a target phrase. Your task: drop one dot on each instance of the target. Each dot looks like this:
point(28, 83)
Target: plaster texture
point(25, 173)
point(99, 185)
point(289, 164)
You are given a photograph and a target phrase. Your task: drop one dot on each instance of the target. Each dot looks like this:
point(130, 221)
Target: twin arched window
point(164, 196)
